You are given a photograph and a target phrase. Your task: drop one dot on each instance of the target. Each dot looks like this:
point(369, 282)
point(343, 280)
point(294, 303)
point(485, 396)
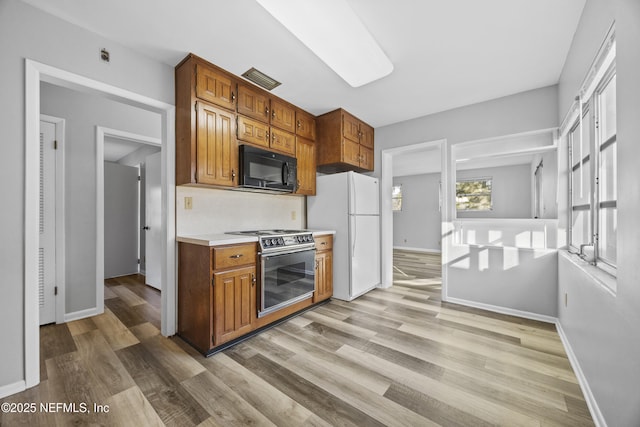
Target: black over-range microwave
point(264, 170)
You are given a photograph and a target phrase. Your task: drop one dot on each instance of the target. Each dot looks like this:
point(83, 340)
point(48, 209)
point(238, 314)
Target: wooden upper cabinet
point(350, 127)
point(253, 132)
point(344, 143)
point(253, 102)
point(366, 135)
point(217, 149)
point(283, 115)
point(305, 125)
point(216, 87)
point(216, 109)
point(284, 142)
point(306, 157)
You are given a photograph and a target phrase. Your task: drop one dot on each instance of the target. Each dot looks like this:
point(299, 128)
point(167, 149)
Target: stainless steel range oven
point(287, 267)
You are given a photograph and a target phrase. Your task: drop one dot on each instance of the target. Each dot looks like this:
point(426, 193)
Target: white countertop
point(230, 239)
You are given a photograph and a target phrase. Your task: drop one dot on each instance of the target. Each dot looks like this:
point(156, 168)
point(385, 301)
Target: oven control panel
point(269, 242)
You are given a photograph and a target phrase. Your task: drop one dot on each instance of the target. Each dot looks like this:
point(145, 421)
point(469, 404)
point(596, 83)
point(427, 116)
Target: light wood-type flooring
point(396, 357)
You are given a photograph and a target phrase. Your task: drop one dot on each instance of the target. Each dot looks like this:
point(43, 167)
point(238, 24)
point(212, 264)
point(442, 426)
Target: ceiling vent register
point(260, 78)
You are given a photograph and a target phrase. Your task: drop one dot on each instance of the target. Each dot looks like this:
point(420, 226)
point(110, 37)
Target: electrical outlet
point(188, 203)
point(293, 215)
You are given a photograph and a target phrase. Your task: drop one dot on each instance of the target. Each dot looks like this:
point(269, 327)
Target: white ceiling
point(446, 53)
point(122, 151)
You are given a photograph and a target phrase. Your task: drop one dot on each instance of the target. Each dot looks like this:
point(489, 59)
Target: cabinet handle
point(323, 243)
point(253, 280)
point(236, 256)
point(316, 264)
point(299, 124)
point(268, 135)
point(273, 114)
point(233, 97)
point(233, 175)
point(266, 110)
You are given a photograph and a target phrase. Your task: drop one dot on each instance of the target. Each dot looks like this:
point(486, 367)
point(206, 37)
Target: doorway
point(35, 73)
point(424, 158)
point(130, 187)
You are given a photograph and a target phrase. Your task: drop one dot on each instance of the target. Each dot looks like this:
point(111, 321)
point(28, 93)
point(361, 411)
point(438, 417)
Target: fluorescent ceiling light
point(336, 35)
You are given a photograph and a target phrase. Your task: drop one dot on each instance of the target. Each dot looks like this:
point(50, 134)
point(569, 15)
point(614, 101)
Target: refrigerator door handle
point(354, 227)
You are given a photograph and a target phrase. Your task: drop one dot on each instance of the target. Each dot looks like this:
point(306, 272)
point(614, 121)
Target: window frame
point(592, 109)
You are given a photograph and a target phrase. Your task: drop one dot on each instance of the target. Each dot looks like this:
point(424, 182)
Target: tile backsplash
point(219, 211)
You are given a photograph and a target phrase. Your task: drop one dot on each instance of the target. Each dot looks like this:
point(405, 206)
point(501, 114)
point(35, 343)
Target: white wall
point(517, 114)
point(602, 328)
point(26, 32)
point(219, 211)
point(418, 225)
point(120, 220)
point(82, 113)
point(510, 191)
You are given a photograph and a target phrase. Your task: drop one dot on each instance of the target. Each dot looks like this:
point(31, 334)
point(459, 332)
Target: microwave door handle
point(285, 173)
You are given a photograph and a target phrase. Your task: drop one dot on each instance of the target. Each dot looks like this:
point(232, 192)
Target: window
point(593, 174)
point(473, 194)
point(396, 198)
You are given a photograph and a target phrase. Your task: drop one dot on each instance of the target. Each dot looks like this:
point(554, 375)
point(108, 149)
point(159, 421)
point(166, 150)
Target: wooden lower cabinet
point(218, 290)
point(234, 303)
point(216, 293)
point(324, 268)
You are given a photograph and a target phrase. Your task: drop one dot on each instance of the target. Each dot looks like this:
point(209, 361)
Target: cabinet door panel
point(253, 131)
point(283, 116)
point(350, 127)
point(217, 148)
point(215, 86)
point(305, 125)
point(233, 303)
point(253, 103)
point(351, 152)
point(366, 135)
point(283, 141)
point(306, 156)
point(366, 158)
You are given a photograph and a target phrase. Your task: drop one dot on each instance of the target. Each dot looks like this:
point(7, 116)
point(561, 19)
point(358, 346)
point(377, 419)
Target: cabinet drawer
point(232, 256)
point(324, 243)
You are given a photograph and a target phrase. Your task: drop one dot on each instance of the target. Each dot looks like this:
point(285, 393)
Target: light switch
point(188, 203)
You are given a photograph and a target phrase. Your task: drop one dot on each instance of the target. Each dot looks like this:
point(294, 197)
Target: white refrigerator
point(349, 203)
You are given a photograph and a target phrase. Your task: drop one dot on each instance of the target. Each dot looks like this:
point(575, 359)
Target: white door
point(47, 245)
point(153, 223)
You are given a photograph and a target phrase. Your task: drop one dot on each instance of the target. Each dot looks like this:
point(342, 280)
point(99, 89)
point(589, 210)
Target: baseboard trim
point(9, 389)
point(82, 314)
point(594, 409)
point(504, 310)
point(428, 251)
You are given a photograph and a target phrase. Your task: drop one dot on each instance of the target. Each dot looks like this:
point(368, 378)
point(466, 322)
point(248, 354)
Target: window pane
point(473, 195)
point(608, 168)
point(607, 236)
point(580, 227)
point(581, 185)
point(608, 110)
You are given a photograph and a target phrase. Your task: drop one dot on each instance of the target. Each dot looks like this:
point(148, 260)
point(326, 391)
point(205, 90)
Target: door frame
point(101, 133)
point(59, 124)
point(386, 211)
point(36, 72)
